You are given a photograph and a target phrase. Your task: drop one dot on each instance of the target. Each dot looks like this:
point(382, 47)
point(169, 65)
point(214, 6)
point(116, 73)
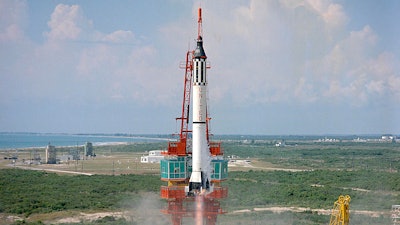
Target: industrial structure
point(194, 170)
point(51, 154)
point(35, 159)
point(88, 149)
point(74, 154)
point(340, 212)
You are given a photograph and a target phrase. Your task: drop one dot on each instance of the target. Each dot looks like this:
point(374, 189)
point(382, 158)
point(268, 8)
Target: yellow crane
point(340, 212)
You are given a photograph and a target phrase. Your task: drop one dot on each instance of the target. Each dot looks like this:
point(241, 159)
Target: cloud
point(383, 77)
point(260, 51)
point(13, 17)
point(263, 49)
point(115, 66)
point(262, 54)
point(119, 36)
point(348, 53)
point(68, 23)
point(354, 72)
point(293, 51)
point(332, 13)
point(12, 32)
point(76, 62)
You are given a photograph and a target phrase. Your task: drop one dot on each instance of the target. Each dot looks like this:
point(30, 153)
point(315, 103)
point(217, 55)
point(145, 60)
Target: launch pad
point(194, 173)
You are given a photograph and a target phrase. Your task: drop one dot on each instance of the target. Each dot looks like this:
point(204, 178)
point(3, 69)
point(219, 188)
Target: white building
point(154, 156)
point(388, 137)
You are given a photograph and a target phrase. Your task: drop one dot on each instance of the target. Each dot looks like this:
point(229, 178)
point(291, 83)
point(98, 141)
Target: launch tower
point(194, 173)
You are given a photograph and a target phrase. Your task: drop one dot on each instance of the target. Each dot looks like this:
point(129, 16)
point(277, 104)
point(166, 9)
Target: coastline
point(28, 141)
point(95, 144)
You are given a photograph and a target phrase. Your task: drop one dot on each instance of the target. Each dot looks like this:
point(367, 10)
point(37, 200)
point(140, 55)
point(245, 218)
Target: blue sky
point(278, 66)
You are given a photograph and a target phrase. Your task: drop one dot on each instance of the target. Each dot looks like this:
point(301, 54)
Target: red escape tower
point(194, 173)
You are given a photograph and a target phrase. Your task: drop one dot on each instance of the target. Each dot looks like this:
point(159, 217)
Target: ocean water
point(28, 140)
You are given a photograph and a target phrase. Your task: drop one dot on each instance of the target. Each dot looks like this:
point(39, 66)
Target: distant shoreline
point(31, 140)
point(19, 141)
point(69, 146)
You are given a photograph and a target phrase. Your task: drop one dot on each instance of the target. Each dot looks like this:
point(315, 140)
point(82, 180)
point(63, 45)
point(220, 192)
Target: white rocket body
point(199, 179)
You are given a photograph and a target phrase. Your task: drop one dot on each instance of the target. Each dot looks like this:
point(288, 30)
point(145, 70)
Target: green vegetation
point(313, 189)
point(291, 218)
point(26, 192)
point(309, 155)
point(368, 172)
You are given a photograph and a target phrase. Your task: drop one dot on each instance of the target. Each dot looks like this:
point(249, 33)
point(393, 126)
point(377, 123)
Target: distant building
point(66, 158)
point(326, 139)
point(154, 156)
point(358, 139)
point(51, 154)
point(36, 155)
point(281, 144)
point(75, 154)
point(89, 149)
point(36, 159)
point(388, 137)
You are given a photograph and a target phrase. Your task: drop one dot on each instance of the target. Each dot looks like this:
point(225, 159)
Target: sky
point(278, 67)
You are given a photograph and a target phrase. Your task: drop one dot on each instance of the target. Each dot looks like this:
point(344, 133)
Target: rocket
point(199, 179)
